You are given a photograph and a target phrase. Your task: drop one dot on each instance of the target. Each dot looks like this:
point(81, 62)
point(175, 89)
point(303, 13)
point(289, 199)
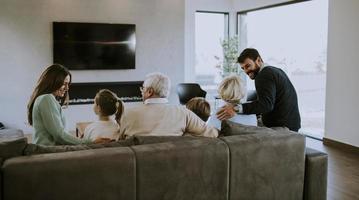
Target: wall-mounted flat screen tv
point(83, 46)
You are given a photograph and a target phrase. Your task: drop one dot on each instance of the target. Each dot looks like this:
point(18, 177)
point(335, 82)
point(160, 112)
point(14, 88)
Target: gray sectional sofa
point(252, 163)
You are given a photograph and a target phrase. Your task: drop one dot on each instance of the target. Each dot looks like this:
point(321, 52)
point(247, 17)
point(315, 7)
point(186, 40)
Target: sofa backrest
point(266, 166)
point(192, 169)
point(107, 173)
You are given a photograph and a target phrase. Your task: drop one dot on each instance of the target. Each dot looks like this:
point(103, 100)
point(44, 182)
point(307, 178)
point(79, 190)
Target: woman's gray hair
point(231, 89)
point(160, 84)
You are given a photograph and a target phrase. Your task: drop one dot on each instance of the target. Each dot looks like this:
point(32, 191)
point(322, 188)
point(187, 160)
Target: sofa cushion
point(32, 149)
point(12, 147)
point(232, 128)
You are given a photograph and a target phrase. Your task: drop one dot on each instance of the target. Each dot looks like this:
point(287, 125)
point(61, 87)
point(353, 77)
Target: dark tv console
point(84, 93)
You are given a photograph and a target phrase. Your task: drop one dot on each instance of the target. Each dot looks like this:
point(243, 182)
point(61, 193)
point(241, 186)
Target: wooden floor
point(343, 171)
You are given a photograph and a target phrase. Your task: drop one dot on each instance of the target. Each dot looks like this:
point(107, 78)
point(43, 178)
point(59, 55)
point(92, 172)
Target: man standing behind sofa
point(157, 118)
point(276, 97)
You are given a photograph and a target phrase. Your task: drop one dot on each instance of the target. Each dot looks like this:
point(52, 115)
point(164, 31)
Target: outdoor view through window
point(292, 37)
point(210, 29)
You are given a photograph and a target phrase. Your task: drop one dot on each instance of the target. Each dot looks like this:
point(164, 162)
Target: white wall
point(241, 5)
point(26, 46)
point(191, 6)
point(342, 95)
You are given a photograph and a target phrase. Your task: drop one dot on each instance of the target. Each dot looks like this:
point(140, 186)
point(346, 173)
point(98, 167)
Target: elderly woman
point(231, 91)
point(157, 118)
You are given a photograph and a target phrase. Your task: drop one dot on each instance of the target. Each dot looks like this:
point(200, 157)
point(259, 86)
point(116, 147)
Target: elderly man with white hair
point(156, 117)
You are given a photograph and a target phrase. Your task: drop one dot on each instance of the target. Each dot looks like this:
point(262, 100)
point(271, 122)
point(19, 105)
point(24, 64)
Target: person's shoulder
point(178, 107)
point(272, 69)
point(110, 123)
point(91, 126)
point(134, 108)
point(133, 111)
point(268, 72)
point(175, 109)
point(45, 98)
point(269, 69)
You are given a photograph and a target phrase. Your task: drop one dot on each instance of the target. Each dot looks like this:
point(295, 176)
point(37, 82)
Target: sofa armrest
point(316, 175)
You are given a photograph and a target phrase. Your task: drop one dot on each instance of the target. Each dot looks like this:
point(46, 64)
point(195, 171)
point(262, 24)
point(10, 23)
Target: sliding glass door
point(293, 37)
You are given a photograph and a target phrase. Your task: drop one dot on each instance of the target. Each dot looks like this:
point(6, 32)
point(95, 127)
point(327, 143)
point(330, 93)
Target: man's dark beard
point(255, 73)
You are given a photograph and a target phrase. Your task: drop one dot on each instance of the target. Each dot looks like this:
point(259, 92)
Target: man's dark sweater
point(276, 99)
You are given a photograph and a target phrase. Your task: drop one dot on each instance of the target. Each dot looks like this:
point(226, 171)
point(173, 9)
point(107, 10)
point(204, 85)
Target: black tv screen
point(81, 46)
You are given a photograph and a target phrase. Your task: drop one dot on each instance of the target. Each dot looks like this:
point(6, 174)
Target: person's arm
point(196, 126)
point(122, 128)
point(87, 132)
point(266, 91)
point(214, 122)
point(82, 128)
point(51, 116)
point(226, 112)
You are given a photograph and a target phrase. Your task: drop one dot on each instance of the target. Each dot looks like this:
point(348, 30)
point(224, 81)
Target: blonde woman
point(231, 91)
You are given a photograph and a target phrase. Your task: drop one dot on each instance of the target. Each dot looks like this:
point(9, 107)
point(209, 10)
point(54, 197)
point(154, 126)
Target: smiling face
point(64, 88)
point(251, 68)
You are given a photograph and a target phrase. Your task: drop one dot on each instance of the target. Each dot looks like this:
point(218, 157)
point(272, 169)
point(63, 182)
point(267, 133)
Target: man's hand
point(226, 112)
point(101, 140)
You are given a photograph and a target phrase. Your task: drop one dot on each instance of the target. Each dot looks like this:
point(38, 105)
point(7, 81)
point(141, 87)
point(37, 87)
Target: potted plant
point(228, 65)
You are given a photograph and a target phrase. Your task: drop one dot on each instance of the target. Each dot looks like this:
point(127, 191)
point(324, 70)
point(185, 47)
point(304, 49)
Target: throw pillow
point(231, 128)
point(33, 149)
point(12, 147)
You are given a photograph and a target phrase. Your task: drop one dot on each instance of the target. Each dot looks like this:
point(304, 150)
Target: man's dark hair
point(248, 53)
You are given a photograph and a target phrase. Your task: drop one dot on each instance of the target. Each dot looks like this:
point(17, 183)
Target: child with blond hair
point(200, 107)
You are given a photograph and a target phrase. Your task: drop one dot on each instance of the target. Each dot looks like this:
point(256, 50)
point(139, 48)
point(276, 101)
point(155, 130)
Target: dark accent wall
point(84, 93)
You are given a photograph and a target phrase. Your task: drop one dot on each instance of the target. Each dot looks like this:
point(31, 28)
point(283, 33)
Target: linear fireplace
point(84, 93)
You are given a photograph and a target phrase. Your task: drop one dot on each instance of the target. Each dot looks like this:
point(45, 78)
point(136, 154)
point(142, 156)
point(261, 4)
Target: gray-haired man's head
point(156, 85)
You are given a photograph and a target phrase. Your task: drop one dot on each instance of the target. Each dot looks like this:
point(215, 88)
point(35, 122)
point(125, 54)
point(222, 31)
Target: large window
point(294, 38)
point(211, 29)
